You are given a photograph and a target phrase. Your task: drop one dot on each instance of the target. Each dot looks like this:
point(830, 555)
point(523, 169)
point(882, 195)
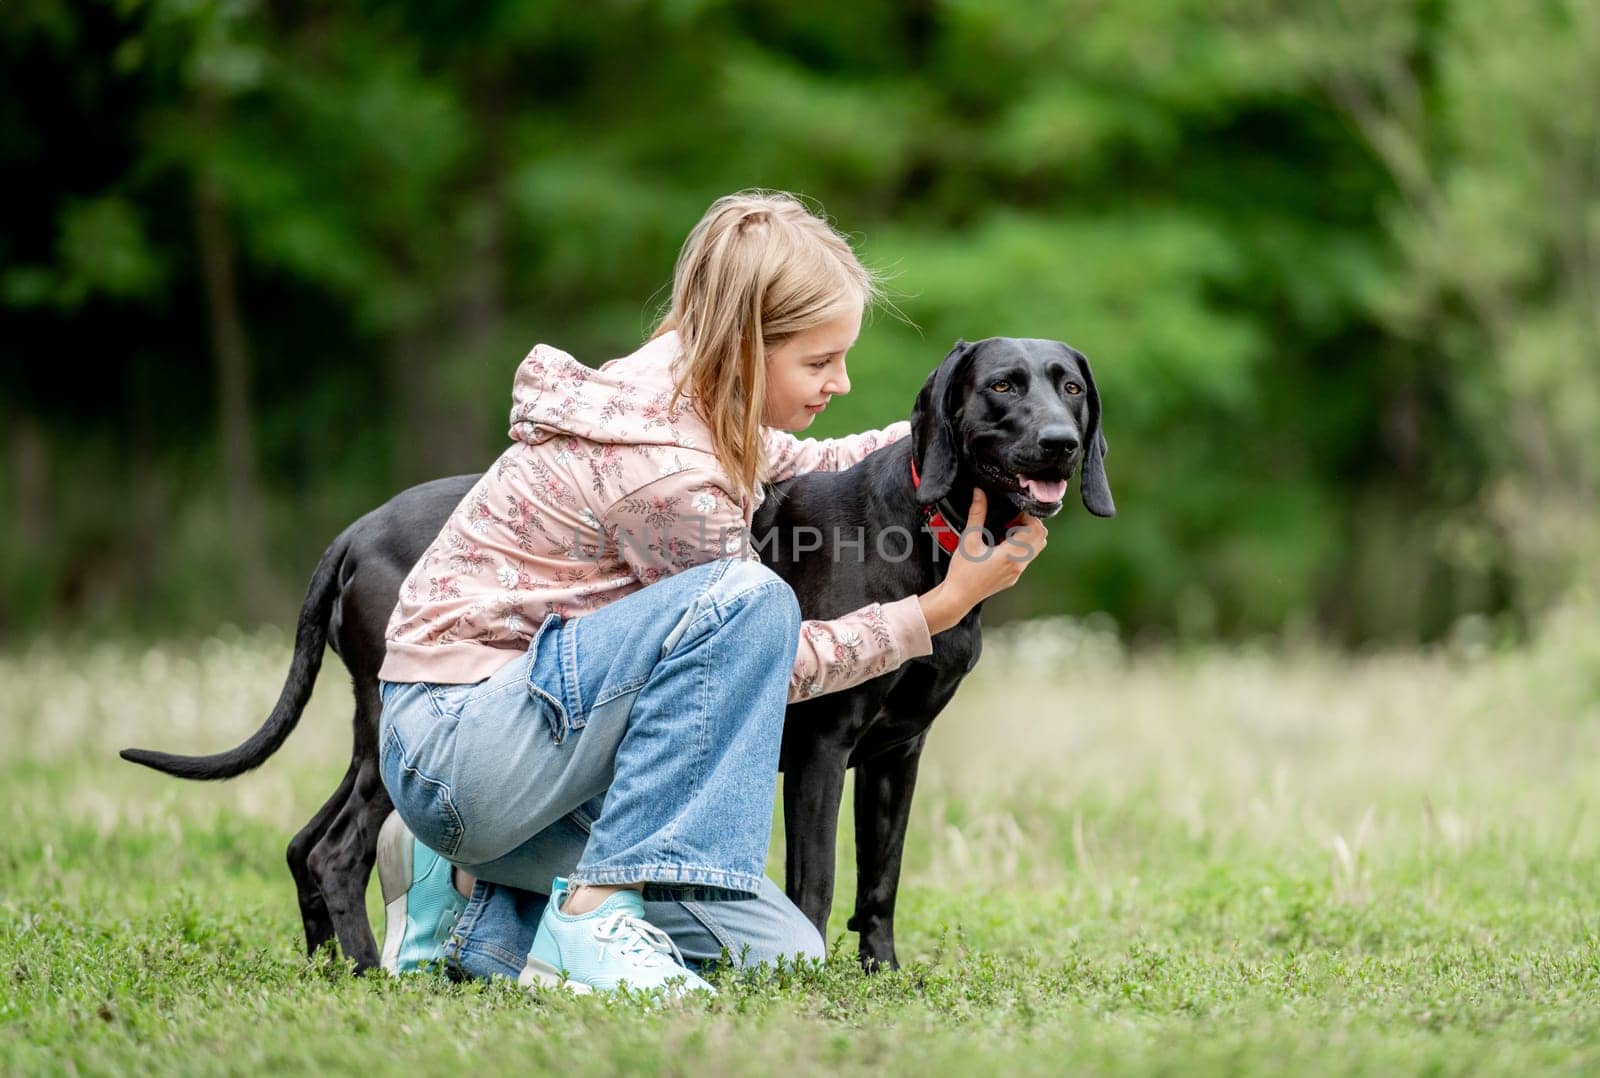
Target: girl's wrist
point(940, 609)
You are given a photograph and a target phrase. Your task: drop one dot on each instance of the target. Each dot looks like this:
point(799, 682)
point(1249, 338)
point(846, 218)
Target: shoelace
point(637, 939)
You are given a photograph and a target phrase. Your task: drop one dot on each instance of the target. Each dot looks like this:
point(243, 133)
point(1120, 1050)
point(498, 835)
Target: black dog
point(1015, 417)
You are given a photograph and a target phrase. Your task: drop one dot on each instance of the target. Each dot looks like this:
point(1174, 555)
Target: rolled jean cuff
point(493, 935)
point(483, 961)
point(675, 883)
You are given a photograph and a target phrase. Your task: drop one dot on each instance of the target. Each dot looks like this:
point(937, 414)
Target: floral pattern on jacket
point(609, 485)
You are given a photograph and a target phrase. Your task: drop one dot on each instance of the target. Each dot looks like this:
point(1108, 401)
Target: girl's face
point(806, 370)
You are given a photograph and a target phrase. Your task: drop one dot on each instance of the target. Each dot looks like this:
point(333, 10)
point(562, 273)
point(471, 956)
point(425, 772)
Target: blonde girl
point(587, 671)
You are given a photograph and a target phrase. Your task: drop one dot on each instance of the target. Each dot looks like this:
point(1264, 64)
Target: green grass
point(1228, 861)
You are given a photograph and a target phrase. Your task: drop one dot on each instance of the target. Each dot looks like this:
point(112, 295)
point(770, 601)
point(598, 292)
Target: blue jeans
point(635, 745)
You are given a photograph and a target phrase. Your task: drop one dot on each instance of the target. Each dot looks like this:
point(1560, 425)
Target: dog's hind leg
point(313, 907)
point(813, 784)
point(884, 785)
point(341, 863)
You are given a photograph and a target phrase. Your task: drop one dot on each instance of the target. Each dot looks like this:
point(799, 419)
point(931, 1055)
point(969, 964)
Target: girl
point(586, 675)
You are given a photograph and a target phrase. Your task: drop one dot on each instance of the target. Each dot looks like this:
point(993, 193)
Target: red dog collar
point(945, 533)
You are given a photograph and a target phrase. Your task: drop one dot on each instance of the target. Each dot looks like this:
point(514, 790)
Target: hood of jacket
point(626, 401)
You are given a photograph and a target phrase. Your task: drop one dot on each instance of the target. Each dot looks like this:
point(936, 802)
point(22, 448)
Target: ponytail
point(757, 269)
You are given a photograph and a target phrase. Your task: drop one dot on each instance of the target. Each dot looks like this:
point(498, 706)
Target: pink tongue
point(1043, 490)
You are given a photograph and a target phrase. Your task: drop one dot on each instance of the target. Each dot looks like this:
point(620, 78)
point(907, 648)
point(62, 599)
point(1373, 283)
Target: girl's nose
point(839, 384)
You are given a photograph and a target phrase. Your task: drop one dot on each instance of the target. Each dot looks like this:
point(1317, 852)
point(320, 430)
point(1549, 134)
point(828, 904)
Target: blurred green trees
point(263, 265)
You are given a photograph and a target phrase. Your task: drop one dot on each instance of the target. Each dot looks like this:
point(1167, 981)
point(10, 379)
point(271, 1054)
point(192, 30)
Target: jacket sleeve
point(788, 456)
point(689, 518)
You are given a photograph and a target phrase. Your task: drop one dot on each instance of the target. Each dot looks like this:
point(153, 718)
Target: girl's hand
point(978, 570)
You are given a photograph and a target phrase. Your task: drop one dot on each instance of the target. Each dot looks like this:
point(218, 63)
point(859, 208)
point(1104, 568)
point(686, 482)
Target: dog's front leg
point(813, 784)
point(884, 785)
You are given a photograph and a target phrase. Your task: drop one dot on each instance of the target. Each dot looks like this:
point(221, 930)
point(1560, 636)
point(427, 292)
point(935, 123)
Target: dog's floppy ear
point(1092, 482)
point(933, 427)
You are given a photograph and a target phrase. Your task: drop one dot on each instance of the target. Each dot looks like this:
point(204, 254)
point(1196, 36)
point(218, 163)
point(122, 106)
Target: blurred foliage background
point(1337, 266)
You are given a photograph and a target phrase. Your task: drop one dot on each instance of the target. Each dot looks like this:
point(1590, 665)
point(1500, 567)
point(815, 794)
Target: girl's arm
point(688, 518)
point(788, 456)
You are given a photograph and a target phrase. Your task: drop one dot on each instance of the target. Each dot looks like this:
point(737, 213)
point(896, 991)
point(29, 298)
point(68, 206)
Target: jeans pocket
point(545, 679)
point(425, 803)
point(555, 716)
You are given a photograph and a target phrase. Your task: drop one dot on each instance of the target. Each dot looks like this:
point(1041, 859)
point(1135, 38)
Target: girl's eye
point(1001, 387)
point(1073, 389)
point(819, 366)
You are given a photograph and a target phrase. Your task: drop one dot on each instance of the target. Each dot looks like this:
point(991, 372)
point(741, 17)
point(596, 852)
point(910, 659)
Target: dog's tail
point(310, 637)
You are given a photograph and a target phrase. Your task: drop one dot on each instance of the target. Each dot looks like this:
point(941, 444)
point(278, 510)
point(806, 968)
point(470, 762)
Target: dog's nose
point(1058, 441)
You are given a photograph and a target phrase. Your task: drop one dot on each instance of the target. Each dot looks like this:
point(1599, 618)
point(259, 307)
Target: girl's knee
point(790, 942)
point(792, 937)
point(750, 582)
point(741, 576)
point(806, 944)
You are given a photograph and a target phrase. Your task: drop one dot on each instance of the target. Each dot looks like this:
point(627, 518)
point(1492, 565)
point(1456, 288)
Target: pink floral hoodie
point(604, 489)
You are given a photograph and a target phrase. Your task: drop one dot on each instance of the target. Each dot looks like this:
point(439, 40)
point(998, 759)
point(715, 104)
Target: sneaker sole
point(537, 974)
point(394, 880)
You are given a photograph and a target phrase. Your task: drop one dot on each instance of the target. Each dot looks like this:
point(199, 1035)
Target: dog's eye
point(1073, 389)
point(1000, 387)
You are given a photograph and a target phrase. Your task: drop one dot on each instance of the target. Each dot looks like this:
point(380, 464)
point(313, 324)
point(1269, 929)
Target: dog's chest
point(901, 706)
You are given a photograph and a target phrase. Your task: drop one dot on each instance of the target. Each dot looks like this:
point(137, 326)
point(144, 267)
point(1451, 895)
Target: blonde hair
point(757, 269)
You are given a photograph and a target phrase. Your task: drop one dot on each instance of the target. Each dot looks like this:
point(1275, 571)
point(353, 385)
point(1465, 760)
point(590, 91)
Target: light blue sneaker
point(607, 947)
point(420, 902)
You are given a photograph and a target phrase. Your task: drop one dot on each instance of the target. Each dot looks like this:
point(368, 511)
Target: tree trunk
point(235, 421)
point(480, 324)
point(442, 398)
point(413, 395)
point(30, 465)
point(21, 600)
point(148, 511)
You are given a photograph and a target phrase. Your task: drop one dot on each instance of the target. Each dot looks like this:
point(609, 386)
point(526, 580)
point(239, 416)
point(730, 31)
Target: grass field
point(1222, 861)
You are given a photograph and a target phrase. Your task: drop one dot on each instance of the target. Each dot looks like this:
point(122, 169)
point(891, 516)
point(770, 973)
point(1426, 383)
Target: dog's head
point(1016, 416)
